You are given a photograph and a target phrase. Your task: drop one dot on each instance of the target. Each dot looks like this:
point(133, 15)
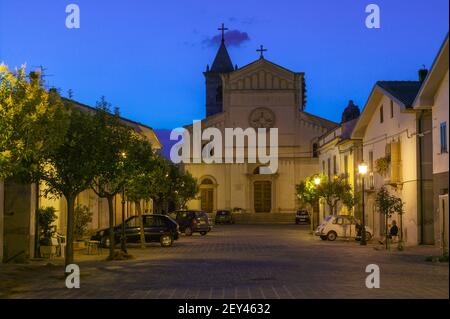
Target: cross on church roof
point(223, 29)
point(261, 51)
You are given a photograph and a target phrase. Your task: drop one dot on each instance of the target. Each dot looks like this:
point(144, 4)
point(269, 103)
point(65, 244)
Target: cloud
point(232, 38)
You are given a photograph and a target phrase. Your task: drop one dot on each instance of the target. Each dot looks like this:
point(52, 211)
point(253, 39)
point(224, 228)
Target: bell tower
point(222, 64)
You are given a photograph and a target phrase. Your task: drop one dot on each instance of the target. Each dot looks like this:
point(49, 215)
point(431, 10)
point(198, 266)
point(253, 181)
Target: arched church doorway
point(262, 191)
point(262, 196)
point(207, 186)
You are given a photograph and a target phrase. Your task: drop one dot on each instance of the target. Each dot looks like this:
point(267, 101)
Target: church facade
point(261, 94)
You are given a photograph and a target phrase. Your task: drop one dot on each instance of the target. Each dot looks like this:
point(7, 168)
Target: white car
point(340, 226)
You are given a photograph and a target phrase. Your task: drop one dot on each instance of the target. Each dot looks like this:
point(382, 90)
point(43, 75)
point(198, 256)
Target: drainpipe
point(420, 129)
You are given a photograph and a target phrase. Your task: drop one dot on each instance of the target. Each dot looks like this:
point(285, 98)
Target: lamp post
point(362, 169)
point(123, 238)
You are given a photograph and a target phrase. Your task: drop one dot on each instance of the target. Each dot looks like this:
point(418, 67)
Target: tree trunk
point(141, 223)
point(70, 229)
point(111, 226)
point(332, 210)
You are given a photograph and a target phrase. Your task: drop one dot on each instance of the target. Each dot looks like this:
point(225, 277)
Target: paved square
point(239, 261)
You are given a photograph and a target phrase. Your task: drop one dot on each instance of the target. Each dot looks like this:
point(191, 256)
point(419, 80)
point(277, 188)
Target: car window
point(133, 222)
point(185, 215)
point(346, 221)
point(170, 219)
point(339, 221)
point(148, 221)
point(201, 215)
point(158, 220)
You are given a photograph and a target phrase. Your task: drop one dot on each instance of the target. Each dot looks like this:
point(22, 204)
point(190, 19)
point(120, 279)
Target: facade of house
point(339, 154)
point(19, 202)
point(433, 96)
point(397, 150)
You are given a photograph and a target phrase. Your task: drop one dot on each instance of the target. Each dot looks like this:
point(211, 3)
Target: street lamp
point(362, 169)
point(317, 180)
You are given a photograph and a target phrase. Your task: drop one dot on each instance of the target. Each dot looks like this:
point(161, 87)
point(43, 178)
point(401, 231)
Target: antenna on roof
point(42, 75)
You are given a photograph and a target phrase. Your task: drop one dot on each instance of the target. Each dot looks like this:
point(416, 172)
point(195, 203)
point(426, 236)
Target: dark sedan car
point(157, 228)
point(193, 221)
point(224, 217)
point(302, 216)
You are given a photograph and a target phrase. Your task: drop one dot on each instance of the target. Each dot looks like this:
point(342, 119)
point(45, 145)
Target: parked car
point(340, 226)
point(302, 216)
point(224, 217)
point(193, 221)
point(157, 228)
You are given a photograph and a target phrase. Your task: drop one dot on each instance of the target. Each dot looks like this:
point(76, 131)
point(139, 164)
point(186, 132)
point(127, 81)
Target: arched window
point(207, 181)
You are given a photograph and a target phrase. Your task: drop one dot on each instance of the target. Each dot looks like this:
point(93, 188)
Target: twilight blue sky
point(147, 57)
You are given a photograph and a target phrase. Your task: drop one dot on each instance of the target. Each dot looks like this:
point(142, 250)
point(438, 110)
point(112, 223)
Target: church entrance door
point(262, 194)
point(207, 200)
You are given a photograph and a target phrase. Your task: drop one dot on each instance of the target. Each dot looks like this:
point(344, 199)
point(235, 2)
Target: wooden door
point(262, 193)
point(207, 200)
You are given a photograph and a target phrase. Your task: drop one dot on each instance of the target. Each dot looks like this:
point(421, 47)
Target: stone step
point(264, 218)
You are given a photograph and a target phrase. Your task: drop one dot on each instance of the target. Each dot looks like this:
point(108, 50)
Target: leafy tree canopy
point(33, 122)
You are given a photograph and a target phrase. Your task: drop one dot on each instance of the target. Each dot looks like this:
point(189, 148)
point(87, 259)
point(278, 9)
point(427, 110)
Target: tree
point(335, 190)
point(186, 188)
point(32, 123)
point(112, 168)
point(46, 216)
point(82, 217)
point(388, 205)
point(142, 165)
point(160, 185)
point(310, 190)
point(307, 194)
point(71, 166)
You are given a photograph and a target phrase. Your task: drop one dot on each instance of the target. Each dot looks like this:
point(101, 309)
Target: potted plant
point(46, 217)
point(82, 217)
point(382, 165)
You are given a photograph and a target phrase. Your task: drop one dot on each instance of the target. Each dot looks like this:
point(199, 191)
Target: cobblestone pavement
point(238, 261)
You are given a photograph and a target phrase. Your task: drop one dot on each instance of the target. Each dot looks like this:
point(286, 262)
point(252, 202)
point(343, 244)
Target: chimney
point(423, 73)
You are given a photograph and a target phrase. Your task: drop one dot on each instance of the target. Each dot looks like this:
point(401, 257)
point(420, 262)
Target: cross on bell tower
point(261, 51)
point(223, 29)
point(214, 90)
